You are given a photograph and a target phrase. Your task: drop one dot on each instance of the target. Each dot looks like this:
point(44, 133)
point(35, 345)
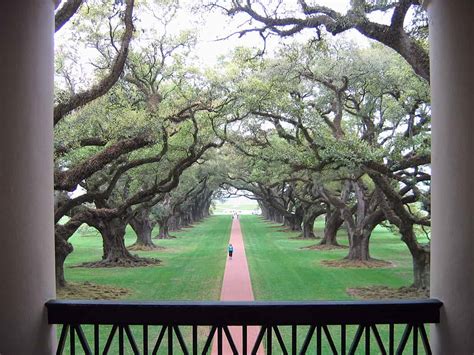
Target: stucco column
point(452, 248)
point(26, 176)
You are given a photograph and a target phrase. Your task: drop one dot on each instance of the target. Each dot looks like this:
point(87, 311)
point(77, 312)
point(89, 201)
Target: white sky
point(211, 26)
point(215, 25)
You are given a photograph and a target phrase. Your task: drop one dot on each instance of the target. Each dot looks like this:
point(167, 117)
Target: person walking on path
point(230, 249)
point(236, 286)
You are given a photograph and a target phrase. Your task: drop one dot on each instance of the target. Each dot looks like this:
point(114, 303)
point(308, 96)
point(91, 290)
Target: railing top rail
point(243, 313)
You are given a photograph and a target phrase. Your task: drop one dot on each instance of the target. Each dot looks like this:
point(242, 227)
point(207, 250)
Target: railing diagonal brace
point(404, 339)
point(109, 339)
point(62, 339)
point(259, 339)
point(159, 340)
point(230, 340)
point(181, 340)
point(378, 339)
point(329, 339)
point(280, 340)
point(307, 340)
point(356, 340)
point(82, 339)
point(209, 340)
point(424, 339)
point(131, 340)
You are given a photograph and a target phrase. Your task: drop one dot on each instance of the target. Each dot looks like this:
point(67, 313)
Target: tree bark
point(184, 220)
point(63, 248)
point(143, 227)
point(420, 256)
point(308, 229)
point(278, 218)
point(294, 221)
point(310, 215)
point(297, 220)
point(173, 223)
point(362, 221)
point(271, 214)
point(421, 268)
point(332, 225)
point(399, 216)
point(114, 251)
point(113, 234)
point(264, 210)
point(164, 228)
point(68, 180)
point(359, 246)
point(164, 232)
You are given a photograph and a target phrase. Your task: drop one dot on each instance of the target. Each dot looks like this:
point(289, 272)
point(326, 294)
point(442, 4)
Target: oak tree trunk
point(173, 224)
point(308, 229)
point(164, 232)
point(294, 222)
point(115, 252)
point(421, 269)
point(185, 220)
point(358, 246)
point(143, 228)
point(164, 229)
point(309, 217)
point(420, 255)
point(332, 225)
point(276, 217)
point(63, 248)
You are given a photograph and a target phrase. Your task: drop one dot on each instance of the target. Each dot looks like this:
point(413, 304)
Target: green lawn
point(193, 264)
point(272, 253)
point(192, 268)
point(281, 270)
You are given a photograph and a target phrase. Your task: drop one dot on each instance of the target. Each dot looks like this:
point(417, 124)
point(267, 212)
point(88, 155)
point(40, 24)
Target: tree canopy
point(147, 136)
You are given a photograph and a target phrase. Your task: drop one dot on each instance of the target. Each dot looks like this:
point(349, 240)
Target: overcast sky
point(215, 25)
point(211, 26)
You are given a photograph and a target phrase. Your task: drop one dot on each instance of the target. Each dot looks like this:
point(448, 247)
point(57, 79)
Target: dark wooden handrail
point(244, 313)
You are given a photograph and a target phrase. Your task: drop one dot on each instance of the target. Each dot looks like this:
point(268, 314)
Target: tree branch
point(104, 85)
point(66, 11)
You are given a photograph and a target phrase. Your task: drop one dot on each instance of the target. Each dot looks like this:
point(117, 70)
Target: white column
point(452, 83)
point(26, 176)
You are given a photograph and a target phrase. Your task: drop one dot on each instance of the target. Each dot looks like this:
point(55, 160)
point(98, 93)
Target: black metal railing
point(337, 327)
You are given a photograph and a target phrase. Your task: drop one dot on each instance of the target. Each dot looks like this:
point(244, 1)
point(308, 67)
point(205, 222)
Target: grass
point(272, 253)
point(193, 265)
point(281, 269)
point(192, 268)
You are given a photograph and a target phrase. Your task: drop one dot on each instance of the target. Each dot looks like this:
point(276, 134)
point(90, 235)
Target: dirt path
point(236, 286)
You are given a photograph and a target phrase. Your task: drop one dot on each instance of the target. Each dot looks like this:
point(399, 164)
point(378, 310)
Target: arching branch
point(65, 12)
point(105, 84)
